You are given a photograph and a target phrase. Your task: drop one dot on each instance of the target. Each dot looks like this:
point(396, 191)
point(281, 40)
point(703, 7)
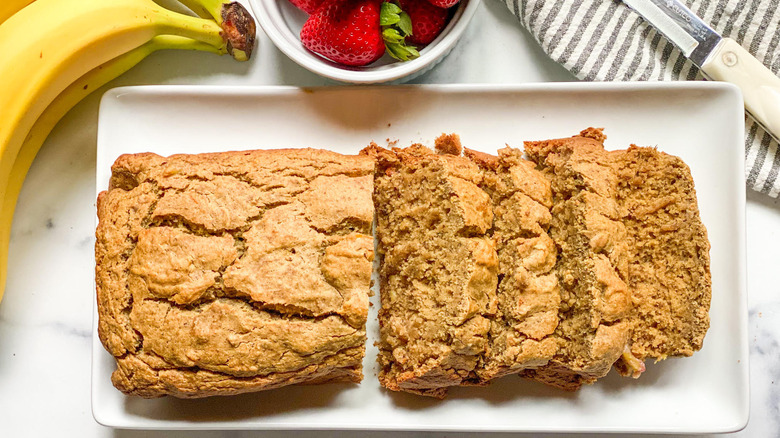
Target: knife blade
point(719, 58)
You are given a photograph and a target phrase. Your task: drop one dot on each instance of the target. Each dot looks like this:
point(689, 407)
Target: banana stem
point(213, 8)
point(199, 29)
point(175, 42)
point(204, 9)
point(60, 106)
point(237, 23)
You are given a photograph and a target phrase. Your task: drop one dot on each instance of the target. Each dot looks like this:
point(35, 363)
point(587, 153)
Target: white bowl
point(282, 22)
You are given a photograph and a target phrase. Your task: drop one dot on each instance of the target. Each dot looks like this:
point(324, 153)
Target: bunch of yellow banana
point(56, 52)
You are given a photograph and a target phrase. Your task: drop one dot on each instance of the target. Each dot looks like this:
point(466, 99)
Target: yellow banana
point(63, 103)
point(10, 7)
point(50, 43)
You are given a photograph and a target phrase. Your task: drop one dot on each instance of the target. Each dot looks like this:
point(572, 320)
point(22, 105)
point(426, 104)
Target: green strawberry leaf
point(396, 26)
point(401, 52)
point(405, 23)
point(389, 14)
point(391, 35)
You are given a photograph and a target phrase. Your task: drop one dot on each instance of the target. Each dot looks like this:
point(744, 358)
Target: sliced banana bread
point(528, 295)
point(439, 270)
point(669, 267)
point(592, 268)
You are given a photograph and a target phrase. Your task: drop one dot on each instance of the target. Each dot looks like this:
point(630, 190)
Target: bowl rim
point(270, 20)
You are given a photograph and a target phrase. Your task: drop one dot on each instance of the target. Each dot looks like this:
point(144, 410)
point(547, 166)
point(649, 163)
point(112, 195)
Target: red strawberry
point(308, 6)
point(345, 31)
point(444, 3)
point(427, 20)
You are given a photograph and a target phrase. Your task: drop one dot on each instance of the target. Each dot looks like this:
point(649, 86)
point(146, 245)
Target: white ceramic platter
point(700, 122)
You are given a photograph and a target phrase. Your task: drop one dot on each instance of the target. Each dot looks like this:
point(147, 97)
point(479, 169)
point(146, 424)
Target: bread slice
point(669, 267)
point(234, 272)
point(639, 212)
point(592, 268)
point(528, 295)
point(438, 271)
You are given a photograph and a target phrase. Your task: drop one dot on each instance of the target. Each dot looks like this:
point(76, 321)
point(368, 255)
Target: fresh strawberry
point(345, 31)
point(427, 20)
point(308, 6)
point(444, 3)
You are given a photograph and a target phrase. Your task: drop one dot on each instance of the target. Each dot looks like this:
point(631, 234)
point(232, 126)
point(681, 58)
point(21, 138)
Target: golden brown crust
point(146, 376)
point(481, 159)
point(122, 215)
point(557, 375)
point(234, 272)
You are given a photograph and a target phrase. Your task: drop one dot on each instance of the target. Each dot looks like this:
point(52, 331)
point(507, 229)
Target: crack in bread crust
point(203, 287)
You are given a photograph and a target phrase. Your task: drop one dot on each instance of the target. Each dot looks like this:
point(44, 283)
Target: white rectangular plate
point(700, 122)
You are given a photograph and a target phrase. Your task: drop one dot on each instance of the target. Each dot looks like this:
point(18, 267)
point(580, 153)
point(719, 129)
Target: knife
point(720, 59)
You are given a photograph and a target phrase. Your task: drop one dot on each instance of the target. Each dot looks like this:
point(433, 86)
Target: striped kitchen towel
point(603, 40)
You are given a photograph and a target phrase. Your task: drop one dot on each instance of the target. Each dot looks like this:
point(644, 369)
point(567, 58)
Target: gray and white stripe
point(602, 40)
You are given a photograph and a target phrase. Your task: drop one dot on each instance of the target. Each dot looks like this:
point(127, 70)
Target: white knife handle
point(760, 87)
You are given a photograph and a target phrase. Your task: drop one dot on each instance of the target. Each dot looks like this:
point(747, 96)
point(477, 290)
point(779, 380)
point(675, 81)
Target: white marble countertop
point(46, 315)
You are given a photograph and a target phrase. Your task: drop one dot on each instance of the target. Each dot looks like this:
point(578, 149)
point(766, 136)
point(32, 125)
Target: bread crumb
point(448, 144)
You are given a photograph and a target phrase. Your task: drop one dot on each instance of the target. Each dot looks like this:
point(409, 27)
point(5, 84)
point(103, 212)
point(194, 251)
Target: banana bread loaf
point(234, 272)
